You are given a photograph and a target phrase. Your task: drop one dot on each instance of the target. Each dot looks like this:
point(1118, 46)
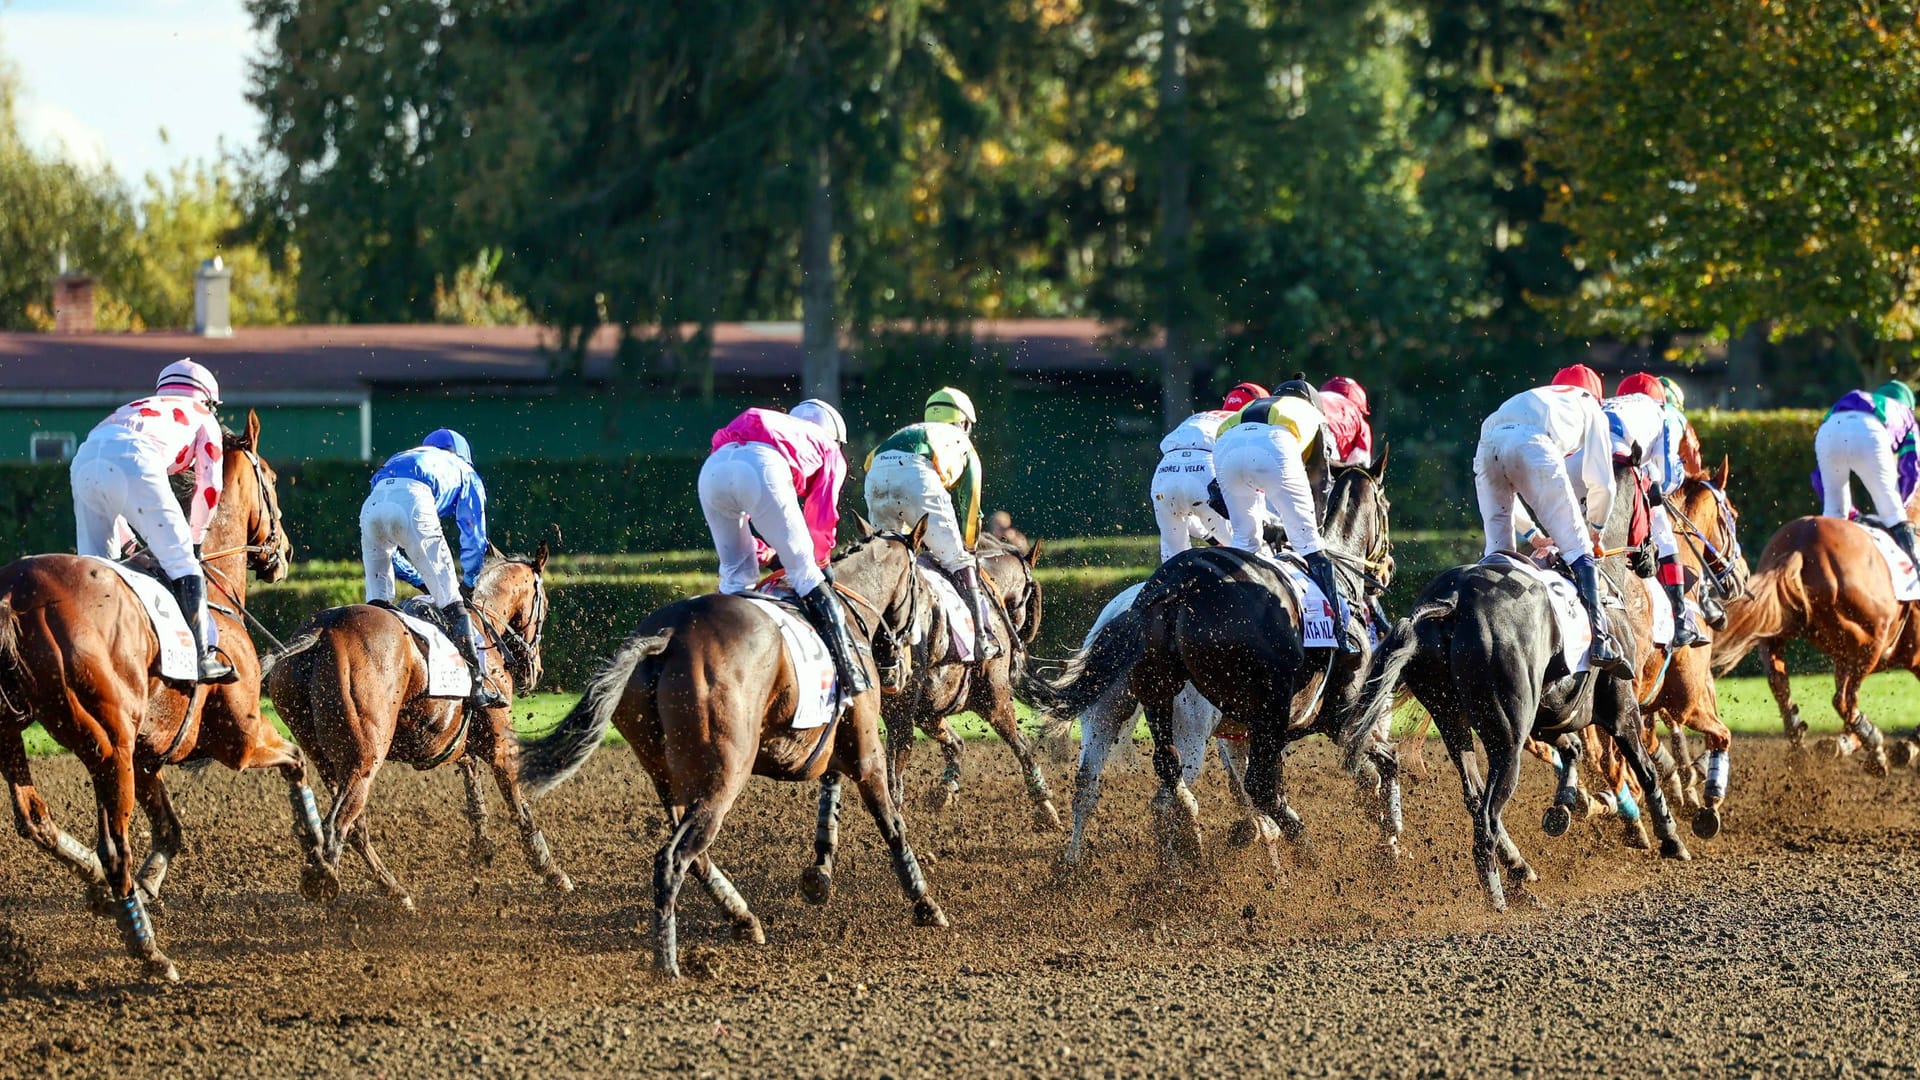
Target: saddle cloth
point(954, 606)
point(1663, 612)
point(807, 661)
point(1576, 633)
point(1906, 578)
point(1317, 616)
point(178, 661)
point(447, 672)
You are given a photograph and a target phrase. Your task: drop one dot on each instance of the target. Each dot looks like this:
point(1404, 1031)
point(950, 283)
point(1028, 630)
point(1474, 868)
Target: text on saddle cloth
point(1904, 575)
point(958, 612)
point(178, 660)
point(447, 672)
point(1576, 633)
point(1317, 618)
point(807, 661)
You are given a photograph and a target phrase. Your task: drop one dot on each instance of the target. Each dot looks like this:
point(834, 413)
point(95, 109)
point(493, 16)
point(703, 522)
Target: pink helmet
point(1241, 396)
point(1350, 390)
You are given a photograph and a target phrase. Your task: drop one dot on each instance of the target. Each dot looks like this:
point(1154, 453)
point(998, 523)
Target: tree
point(195, 214)
point(1730, 163)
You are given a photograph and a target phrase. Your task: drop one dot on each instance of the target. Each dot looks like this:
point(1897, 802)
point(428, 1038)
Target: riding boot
point(1606, 655)
point(1320, 569)
point(1711, 609)
point(460, 628)
point(823, 609)
point(1903, 535)
point(190, 593)
point(1684, 635)
point(984, 646)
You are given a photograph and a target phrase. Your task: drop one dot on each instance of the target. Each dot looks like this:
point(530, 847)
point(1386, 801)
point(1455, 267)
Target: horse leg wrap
point(826, 826)
point(1864, 730)
point(537, 849)
point(1719, 764)
point(1037, 788)
point(907, 868)
point(1394, 821)
point(1625, 806)
point(84, 862)
point(950, 776)
point(306, 814)
point(135, 930)
point(1663, 762)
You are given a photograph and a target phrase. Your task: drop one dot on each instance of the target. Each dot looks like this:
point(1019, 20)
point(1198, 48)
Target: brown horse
point(1823, 579)
point(944, 685)
point(78, 655)
point(703, 693)
point(353, 689)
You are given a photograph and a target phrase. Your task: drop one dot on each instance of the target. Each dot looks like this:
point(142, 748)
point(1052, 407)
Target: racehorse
point(944, 685)
point(78, 655)
point(704, 693)
point(1482, 652)
point(1223, 621)
point(1824, 580)
point(352, 688)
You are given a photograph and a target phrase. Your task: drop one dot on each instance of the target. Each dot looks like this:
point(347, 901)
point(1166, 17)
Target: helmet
point(949, 406)
point(1298, 388)
point(1239, 396)
point(452, 442)
point(1348, 389)
point(187, 375)
point(1676, 397)
point(1643, 383)
point(1582, 376)
point(1898, 391)
point(823, 416)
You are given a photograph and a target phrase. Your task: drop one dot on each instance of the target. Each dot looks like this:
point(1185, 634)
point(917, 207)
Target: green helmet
point(950, 406)
point(1898, 391)
point(1676, 397)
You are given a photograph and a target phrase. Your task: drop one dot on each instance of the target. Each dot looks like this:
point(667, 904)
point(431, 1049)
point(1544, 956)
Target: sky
point(103, 78)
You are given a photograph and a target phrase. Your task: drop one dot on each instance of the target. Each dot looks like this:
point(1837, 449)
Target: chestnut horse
point(944, 685)
point(352, 687)
point(703, 693)
point(1824, 580)
point(78, 655)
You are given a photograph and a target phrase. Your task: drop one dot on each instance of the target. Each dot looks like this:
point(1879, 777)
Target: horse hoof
point(1706, 823)
point(99, 902)
point(161, 969)
point(559, 882)
point(1584, 804)
point(667, 967)
point(482, 852)
point(1634, 835)
point(1832, 747)
point(1675, 850)
point(1241, 833)
point(403, 903)
point(1045, 817)
point(319, 884)
point(940, 798)
point(816, 885)
point(1903, 753)
point(1876, 763)
point(1555, 822)
point(928, 913)
point(750, 931)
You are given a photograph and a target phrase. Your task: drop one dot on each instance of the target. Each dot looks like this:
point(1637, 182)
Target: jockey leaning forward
point(1182, 482)
point(1645, 436)
point(1870, 435)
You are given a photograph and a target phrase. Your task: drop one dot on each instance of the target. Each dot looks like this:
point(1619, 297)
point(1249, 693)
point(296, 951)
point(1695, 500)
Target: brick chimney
point(73, 304)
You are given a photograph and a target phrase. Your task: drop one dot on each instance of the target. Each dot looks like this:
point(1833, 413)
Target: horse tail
point(12, 692)
point(1372, 716)
point(546, 761)
point(1775, 603)
point(292, 648)
point(1090, 672)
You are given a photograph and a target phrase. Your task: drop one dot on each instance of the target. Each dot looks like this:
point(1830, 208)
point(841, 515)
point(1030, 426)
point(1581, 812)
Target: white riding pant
point(1853, 444)
point(1517, 460)
point(400, 515)
point(902, 488)
point(746, 487)
point(120, 481)
point(1180, 502)
point(1660, 527)
point(1256, 460)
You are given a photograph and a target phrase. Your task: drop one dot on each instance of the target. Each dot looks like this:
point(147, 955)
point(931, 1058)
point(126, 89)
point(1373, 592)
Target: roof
point(351, 360)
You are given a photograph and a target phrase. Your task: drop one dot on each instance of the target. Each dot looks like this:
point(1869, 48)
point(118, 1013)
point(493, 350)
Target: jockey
point(1266, 453)
point(401, 535)
point(1553, 447)
point(1645, 434)
point(120, 476)
point(1870, 435)
point(1181, 483)
point(1344, 402)
point(916, 473)
point(781, 473)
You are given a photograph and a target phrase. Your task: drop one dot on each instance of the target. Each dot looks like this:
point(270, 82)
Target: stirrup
point(214, 671)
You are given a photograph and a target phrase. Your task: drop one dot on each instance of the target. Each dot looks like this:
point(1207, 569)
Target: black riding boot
point(1711, 609)
point(460, 628)
point(1606, 655)
point(984, 646)
point(190, 593)
point(1684, 635)
point(822, 608)
point(1903, 535)
point(1320, 569)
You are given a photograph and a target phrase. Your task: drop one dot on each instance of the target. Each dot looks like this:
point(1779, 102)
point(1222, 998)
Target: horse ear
point(866, 527)
point(494, 552)
point(1033, 553)
point(1379, 467)
point(918, 534)
point(1726, 469)
point(253, 430)
point(540, 557)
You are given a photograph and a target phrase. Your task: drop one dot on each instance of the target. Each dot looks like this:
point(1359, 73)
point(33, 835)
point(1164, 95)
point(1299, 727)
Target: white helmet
point(822, 415)
point(187, 375)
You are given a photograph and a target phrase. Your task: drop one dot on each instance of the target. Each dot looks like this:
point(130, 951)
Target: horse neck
point(861, 572)
point(495, 593)
point(1624, 492)
point(1346, 523)
point(227, 532)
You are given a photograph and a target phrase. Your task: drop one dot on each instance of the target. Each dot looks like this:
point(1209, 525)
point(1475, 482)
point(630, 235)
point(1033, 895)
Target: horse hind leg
point(1100, 730)
point(952, 749)
point(35, 823)
point(1233, 762)
point(361, 838)
point(690, 839)
point(1773, 658)
point(1859, 729)
point(506, 777)
point(113, 787)
point(816, 881)
point(151, 791)
point(906, 867)
point(1624, 729)
point(746, 925)
point(1006, 721)
point(480, 847)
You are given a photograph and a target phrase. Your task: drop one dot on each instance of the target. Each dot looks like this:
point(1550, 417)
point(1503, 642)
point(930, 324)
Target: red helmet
point(1241, 396)
point(1643, 383)
point(1350, 390)
point(1582, 376)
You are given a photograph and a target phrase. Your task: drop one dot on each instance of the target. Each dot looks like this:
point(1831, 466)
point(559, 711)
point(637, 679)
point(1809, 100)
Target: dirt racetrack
point(1789, 944)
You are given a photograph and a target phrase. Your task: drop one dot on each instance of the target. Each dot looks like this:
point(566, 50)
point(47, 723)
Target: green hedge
point(1772, 458)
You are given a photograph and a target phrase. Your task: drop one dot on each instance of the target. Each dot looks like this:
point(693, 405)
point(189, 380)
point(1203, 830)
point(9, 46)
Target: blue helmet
point(452, 442)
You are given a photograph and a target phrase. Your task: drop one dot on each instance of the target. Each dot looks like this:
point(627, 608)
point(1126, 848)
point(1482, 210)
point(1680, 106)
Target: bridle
point(519, 650)
point(1722, 567)
point(1376, 565)
point(271, 546)
point(892, 633)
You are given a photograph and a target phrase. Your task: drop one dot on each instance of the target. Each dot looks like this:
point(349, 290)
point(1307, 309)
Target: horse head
point(248, 489)
point(1709, 518)
point(1357, 518)
point(512, 596)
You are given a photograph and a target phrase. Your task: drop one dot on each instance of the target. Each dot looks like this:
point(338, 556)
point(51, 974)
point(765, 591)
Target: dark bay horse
point(1823, 580)
point(78, 655)
point(352, 687)
point(1482, 652)
point(704, 694)
point(1224, 621)
point(943, 685)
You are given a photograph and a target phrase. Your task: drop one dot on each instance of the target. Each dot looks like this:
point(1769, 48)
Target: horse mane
point(867, 542)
